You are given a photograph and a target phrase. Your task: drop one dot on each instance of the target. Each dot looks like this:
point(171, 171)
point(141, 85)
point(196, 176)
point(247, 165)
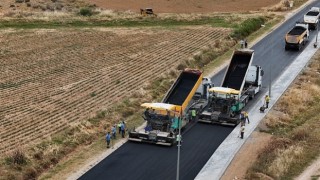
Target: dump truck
point(241, 82)
point(297, 37)
point(164, 119)
point(312, 17)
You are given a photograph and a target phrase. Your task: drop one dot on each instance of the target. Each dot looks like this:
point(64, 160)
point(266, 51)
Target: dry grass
point(294, 122)
point(284, 5)
point(284, 158)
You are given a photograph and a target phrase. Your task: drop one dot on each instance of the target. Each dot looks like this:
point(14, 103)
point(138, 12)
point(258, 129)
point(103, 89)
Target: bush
point(30, 173)
point(86, 12)
point(38, 155)
point(247, 27)
point(17, 157)
point(101, 114)
point(181, 66)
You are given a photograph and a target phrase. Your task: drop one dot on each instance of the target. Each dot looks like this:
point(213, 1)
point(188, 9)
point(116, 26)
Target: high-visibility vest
point(193, 112)
point(267, 99)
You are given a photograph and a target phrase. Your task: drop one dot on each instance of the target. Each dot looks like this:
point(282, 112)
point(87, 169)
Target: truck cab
point(253, 81)
point(203, 90)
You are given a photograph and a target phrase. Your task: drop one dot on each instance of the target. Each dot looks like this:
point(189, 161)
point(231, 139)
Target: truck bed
point(312, 13)
point(182, 88)
point(297, 31)
point(236, 73)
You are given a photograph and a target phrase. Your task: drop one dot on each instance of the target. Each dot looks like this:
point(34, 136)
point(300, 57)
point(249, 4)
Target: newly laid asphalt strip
point(138, 161)
point(146, 161)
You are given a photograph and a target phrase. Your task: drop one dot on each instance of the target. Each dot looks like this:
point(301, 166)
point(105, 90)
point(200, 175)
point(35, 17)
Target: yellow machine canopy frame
point(224, 90)
point(163, 107)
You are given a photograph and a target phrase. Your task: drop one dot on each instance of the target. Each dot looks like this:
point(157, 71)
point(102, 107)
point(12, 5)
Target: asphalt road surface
point(139, 161)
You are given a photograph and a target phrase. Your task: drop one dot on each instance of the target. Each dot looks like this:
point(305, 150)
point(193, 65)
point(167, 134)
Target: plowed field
point(51, 78)
point(186, 6)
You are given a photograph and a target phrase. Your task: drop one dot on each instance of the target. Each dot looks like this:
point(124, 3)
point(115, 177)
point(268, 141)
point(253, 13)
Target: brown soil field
point(52, 78)
point(185, 6)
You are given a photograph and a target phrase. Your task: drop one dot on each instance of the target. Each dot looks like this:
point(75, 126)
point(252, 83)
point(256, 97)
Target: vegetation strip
point(91, 22)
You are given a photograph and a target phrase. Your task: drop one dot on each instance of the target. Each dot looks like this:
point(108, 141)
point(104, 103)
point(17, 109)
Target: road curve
point(138, 161)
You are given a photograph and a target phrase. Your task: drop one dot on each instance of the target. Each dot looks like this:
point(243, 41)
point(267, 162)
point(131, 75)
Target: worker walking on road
point(242, 118)
point(246, 117)
point(242, 131)
point(108, 139)
point(267, 100)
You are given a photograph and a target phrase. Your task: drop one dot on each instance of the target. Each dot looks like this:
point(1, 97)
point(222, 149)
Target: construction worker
point(242, 117)
point(123, 129)
point(119, 127)
point(246, 117)
point(242, 43)
point(242, 130)
point(193, 115)
point(114, 131)
point(147, 114)
point(108, 139)
point(267, 100)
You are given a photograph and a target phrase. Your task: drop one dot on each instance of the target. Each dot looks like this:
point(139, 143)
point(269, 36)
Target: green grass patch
point(247, 27)
point(92, 22)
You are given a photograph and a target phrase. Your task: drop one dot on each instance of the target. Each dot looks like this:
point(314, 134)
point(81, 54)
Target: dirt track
point(186, 6)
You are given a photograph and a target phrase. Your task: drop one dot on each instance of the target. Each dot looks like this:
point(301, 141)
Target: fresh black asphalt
point(139, 161)
point(147, 161)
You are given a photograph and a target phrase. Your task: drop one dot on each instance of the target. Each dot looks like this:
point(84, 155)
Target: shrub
point(86, 12)
point(101, 114)
point(59, 6)
point(17, 157)
point(247, 27)
point(181, 66)
point(11, 176)
point(127, 112)
point(38, 155)
point(30, 173)
point(93, 94)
